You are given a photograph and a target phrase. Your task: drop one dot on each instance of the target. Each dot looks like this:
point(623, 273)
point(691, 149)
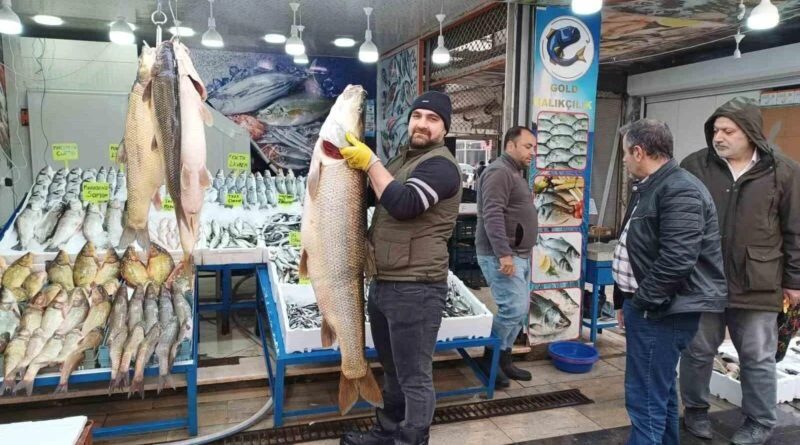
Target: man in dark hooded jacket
point(756, 190)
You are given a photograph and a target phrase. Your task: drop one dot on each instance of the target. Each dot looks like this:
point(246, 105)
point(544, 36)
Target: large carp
point(143, 159)
point(334, 240)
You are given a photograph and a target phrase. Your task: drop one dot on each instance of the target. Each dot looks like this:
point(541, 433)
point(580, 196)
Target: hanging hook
point(158, 18)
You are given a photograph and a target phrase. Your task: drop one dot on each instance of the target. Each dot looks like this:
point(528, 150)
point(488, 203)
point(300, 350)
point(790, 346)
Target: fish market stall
point(276, 329)
point(99, 318)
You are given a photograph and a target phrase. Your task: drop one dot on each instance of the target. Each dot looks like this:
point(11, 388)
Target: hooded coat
point(759, 214)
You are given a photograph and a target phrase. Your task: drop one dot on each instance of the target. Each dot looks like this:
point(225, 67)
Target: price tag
point(65, 152)
point(95, 192)
point(294, 238)
point(238, 161)
point(113, 152)
point(304, 281)
point(285, 199)
point(167, 204)
point(234, 199)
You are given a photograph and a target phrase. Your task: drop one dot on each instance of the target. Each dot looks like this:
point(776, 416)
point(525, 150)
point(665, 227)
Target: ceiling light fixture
point(344, 42)
point(764, 16)
point(441, 55)
point(48, 20)
point(181, 31)
point(9, 20)
point(586, 7)
point(368, 52)
point(121, 33)
point(212, 38)
point(131, 25)
point(275, 38)
point(294, 44)
point(301, 59)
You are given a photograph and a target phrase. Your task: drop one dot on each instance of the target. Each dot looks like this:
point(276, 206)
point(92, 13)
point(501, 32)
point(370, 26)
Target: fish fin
point(186, 177)
point(154, 144)
point(302, 268)
point(370, 390)
point(370, 266)
point(348, 394)
point(314, 172)
point(205, 179)
point(580, 54)
point(121, 154)
point(208, 119)
point(328, 334)
point(332, 151)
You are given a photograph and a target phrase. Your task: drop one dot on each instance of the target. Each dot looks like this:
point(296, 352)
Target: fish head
point(75, 205)
point(23, 334)
point(62, 258)
point(122, 294)
point(138, 293)
point(111, 286)
point(88, 249)
point(39, 300)
point(151, 293)
point(130, 254)
point(569, 35)
point(165, 63)
point(25, 260)
point(111, 256)
point(346, 116)
point(61, 298)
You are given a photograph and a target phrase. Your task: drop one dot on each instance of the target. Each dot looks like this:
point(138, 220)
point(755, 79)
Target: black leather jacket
point(674, 245)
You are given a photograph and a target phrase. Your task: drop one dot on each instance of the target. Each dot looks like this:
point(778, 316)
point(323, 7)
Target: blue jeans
point(651, 396)
point(512, 295)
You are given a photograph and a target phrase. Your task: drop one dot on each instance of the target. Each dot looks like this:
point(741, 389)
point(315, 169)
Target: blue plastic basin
point(572, 356)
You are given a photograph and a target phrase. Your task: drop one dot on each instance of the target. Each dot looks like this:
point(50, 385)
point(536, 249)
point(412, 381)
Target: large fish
point(14, 354)
point(113, 222)
point(86, 266)
point(334, 240)
point(159, 264)
point(18, 271)
point(44, 359)
point(132, 270)
point(68, 225)
point(194, 176)
point(143, 355)
point(59, 271)
point(143, 159)
point(296, 109)
point(34, 283)
point(55, 313)
point(98, 312)
point(165, 350)
point(109, 269)
point(78, 310)
point(9, 313)
point(135, 339)
point(252, 93)
point(26, 225)
point(136, 308)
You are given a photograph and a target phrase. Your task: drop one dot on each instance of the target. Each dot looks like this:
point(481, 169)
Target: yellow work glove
point(358, 155)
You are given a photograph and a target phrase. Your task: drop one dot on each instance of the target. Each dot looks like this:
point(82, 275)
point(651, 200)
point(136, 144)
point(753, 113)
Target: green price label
point(294, 238)
point(285, 199)
point(304, 281)
point(113, 152)
point(238, 161)
point(234, 199)
point(95, 192)
point(168, 204)
point(65, 152)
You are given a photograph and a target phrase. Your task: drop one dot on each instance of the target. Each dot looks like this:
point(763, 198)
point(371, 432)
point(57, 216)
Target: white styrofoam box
point(473, 326)
point(730, 389)
point(300, 340)
point(255, 255)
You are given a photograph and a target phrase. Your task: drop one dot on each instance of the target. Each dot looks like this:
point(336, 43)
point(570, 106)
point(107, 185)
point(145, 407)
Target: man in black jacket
point(668, 270)
point(757, 193)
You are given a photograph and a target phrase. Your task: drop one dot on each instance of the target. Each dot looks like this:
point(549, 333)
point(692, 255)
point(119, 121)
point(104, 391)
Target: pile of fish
point(164, 143)
point(155, 320)
point(562, 141)
point(278, 228)
point(286, 260)
point(239, 233)
point(303, 317)
point(56, 213)
point(53, 317)
point(456, 304)
point(258, 191)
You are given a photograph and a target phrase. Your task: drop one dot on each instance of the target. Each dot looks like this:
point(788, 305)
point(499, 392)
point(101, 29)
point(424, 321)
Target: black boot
point(406, 435)
point(511, 371)
point(485, 363)
point(381, 434)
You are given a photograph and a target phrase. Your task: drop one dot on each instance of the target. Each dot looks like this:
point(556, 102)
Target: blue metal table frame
point(224, 286)
point(188, 367)
point(267, 308)
point(599, 274)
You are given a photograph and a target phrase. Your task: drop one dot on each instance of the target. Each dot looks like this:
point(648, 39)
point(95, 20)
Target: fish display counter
point(99, 317)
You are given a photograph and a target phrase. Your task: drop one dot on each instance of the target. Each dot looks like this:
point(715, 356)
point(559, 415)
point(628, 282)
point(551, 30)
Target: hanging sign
point(566, 50)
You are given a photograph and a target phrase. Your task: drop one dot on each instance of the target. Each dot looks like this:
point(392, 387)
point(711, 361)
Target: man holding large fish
point(417, 197)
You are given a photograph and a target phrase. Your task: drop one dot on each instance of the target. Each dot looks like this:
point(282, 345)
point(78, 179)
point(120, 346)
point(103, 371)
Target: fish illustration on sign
point(558, 40)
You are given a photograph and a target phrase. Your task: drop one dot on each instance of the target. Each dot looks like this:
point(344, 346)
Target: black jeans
point(405, 319)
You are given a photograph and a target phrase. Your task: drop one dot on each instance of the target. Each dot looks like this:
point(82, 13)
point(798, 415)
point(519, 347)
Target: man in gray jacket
point(507, 230)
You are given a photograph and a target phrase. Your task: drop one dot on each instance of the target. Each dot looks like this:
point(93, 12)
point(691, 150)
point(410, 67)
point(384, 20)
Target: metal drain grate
point(446, 414)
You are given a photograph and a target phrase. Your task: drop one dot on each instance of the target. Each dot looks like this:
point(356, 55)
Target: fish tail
point(580, 54)
point(24, 385)
point(137, 386)
point(366, 387)
point(62, 388)
point(141, 236)
point(8, 383)
point(162, 379)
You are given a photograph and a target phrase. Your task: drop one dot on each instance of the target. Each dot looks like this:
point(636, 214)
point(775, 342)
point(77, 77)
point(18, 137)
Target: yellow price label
point(95, 192)
point(234, 199)
point(65, 152)
point(168, 204)
point(285, 199)
point(294, 238)
point(238, 161)
point(113, 152)
point(304, 281)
